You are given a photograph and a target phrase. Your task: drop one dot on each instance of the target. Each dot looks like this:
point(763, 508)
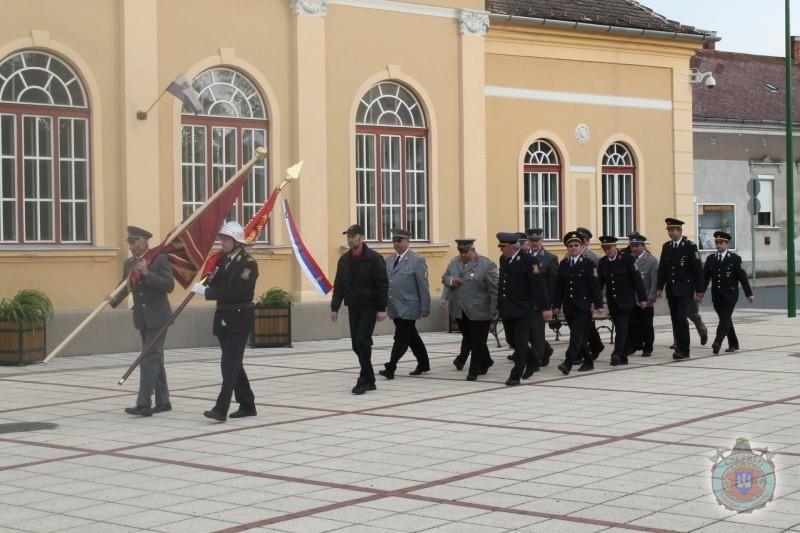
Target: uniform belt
point(234, 307)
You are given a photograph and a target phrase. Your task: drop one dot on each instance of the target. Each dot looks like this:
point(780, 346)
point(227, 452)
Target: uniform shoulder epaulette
point(689, 242)
point(247, 258)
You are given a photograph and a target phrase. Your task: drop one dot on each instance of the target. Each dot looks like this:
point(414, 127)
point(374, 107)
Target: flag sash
point(307, 264)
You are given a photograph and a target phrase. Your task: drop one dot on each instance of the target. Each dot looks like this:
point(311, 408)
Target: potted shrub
point(273, 319)
point(22, 327)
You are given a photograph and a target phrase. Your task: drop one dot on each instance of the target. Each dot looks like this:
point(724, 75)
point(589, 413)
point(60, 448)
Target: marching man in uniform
point(548, 263)
point(151, 311)
point(680, 271)
point(618, 273)
point(409, 300)
point(470, 293)
point(578, 293)
point(724, 271)
point(232, 286)
point(520, 290)
point(641, 334)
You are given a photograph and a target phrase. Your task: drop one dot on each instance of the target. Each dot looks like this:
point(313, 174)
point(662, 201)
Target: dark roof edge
point(603, 28)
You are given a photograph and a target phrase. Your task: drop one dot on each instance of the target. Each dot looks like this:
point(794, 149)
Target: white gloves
point(199, 288)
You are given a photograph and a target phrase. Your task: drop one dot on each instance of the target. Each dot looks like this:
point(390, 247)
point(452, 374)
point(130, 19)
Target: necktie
point(228, 262)
point(719, 257)
point(396, 260)
point(572, 262)
point(674, 244)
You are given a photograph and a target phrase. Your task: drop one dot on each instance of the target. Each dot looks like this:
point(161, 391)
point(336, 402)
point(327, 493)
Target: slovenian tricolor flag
point(310, 267)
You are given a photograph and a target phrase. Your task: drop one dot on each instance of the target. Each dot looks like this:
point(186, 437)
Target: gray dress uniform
point(472, 304)
point(409, 297)
point(151, 311)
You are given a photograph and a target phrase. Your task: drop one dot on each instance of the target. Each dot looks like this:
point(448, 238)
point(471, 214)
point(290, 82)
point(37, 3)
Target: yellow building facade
point(437, 116)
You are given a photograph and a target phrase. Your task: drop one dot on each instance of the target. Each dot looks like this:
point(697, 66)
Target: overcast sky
point(750, 26)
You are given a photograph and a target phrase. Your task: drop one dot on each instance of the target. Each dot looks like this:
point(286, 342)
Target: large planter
point(22, 343)
point(272, 326)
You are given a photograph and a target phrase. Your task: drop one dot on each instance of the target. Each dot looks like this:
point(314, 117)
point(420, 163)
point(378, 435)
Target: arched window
point(541, 188)
point(619, 193)
point(391, 163)
point(224, 136)
point(44, 151)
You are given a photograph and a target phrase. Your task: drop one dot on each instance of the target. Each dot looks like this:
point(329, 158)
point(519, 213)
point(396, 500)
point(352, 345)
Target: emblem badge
point(743, 480)
point(245, 273)
point(536, 268)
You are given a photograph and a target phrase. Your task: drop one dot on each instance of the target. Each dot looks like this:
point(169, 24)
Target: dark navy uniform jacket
point(725, 278)
point(233, 288)
point(520, 288)
point(680, 269)
point(577, 284)
point(622, 281)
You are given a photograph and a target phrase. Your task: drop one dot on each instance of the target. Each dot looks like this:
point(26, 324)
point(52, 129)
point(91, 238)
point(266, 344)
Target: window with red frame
point(215, 143)
point(542, 189)
point(391, 163)
point(619, 194)
point(44, 151)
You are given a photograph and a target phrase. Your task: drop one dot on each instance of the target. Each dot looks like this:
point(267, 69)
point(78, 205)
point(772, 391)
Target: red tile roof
point(749, 87)
point(622, 13)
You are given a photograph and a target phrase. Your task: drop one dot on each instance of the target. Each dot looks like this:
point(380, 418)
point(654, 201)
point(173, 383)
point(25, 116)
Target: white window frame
point(534, 213)
point(610, 212)
point(766, 178)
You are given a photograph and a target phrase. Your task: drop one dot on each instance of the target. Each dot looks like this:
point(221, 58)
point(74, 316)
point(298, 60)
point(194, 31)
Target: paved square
point(619, 448)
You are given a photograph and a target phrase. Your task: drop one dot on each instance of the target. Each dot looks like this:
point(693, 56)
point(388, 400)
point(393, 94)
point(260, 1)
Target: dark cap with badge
point(535, 234)
point(572, 236)
point(355, 229)
point(673, 223)
point(465, 245)
point(608, 240)
point(583, 233)
point(400, 233)
point(135, 232)
point(722, 236)
point(637, 238)
point(507, 237)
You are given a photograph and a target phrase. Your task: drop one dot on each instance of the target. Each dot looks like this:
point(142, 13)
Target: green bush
point(29, 305)
point(275, 296)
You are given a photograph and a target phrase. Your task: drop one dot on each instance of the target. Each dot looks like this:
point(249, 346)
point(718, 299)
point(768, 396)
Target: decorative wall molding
point(312, 8)
point(578, 98)
point(473, 23)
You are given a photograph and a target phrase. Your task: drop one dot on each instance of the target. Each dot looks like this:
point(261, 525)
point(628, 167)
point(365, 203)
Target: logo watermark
point(744, 479)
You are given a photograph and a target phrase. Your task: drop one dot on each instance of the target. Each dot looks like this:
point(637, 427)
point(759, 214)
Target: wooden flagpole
point(260, 154)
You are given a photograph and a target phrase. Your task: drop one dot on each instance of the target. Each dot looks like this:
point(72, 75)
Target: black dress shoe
point(703, 338)
point(623, 360)
point(139, 410)
point(489, 363)
point(511, 382)
point(646, 353)
point(458, 363)
point(548, 351)
point(715, 348)
point(529, 371)
point(510, 357)
point(162, 408)
point(472, 377)
point(241, 413)
point(216, 415)
point(564, 369)
point(678, 356)
point(362, 387)
point(586, 367)
point(388, 374)
point(419, 370)
point(615, 360)
point(673, 346)
point(729, 350)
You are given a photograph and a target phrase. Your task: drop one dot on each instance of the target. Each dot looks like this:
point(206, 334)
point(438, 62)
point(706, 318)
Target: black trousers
point(678, 313)
point(362, 325)
point(593, 336)
point(234, 378)
point(621, 318)
point(406, 336)
point(725, 327)
point(580, 322)
point(518, 333)
point(475, 333)
point(641, 334)
point(537, 341)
